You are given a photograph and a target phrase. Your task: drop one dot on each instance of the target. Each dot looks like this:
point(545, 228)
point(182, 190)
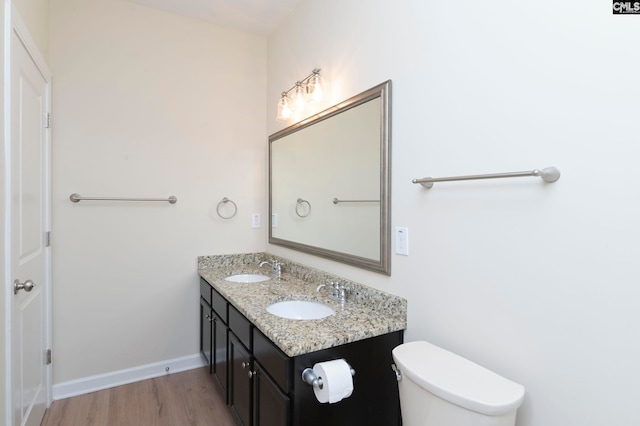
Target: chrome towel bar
point(548, 174)
point(76, 198)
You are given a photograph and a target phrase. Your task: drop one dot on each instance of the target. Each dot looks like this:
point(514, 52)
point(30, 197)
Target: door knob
point(27, 286)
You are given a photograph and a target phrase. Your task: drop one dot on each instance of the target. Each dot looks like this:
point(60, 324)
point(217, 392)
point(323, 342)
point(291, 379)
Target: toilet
point(440, 388)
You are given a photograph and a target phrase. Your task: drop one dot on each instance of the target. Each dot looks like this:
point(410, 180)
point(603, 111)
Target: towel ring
point(301, 201)
point(221, 203)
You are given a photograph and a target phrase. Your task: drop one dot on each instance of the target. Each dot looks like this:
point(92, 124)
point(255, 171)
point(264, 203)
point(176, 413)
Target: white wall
point(537, 282)
point(146, 104)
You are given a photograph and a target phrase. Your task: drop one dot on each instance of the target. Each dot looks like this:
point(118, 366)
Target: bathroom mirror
point(329, 182)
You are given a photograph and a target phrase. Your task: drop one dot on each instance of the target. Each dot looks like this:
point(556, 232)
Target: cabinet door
point(240, 373)
point(205, 331)
point(219, 362)
point(270, 405)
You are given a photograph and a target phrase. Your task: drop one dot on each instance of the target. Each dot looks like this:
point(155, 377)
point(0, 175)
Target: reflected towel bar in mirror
point(76, 198)
point(336, 201)
point(548, 174)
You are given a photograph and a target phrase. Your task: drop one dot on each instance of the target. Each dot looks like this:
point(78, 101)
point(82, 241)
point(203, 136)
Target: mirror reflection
point(329, 182)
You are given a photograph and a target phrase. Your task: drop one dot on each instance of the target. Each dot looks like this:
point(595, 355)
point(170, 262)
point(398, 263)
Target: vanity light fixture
point(309, 89)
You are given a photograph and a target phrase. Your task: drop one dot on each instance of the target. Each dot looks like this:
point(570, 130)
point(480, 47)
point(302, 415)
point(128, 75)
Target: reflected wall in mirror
point(329, 182)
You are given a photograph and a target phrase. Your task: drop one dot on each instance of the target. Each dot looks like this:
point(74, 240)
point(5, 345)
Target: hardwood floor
point(180, 399)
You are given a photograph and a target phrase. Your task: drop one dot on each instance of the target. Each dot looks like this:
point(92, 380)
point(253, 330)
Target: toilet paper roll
point(337, 382)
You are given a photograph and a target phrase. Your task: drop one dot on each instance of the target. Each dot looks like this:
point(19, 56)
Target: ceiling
point(255, 16)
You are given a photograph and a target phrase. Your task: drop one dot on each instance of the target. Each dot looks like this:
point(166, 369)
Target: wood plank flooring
point(180, 399)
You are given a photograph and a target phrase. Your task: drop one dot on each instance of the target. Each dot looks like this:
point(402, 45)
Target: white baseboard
point(129, 375)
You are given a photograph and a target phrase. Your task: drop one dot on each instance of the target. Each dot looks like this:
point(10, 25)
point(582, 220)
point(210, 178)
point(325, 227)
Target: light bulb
point(284, 108)
point(299, 96)
point(315, 87)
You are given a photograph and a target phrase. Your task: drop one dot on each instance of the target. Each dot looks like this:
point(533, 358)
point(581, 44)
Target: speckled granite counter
point(367, 313)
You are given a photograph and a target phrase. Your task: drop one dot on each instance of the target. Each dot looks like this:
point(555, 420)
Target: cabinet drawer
point(219, 305)
point(274, 361)
point(205, 290)
point(240, 326)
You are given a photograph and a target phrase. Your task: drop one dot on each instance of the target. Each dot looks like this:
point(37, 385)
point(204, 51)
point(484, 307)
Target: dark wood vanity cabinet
point(205, 331)
point(254, 397)
point(271, 406)
point(214, 334)
point(206, 312)
point(271, 383)
point(219, 351)
point(240, 378)
point(375, 399)
point(265, 386)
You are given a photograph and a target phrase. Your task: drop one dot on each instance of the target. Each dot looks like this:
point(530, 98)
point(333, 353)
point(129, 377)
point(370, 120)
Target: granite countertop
point(367, 312)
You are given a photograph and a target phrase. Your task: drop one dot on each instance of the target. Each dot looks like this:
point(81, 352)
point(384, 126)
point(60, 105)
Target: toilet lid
point(457, 380)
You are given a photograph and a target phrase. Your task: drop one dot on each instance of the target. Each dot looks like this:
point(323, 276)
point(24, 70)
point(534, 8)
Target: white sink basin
point(300, 310)
point(247, 278)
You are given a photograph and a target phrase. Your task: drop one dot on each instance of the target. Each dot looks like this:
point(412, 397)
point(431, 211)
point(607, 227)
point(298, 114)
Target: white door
point(30, 257)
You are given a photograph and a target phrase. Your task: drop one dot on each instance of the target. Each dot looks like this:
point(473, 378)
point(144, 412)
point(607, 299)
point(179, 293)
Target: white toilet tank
point(440, 388)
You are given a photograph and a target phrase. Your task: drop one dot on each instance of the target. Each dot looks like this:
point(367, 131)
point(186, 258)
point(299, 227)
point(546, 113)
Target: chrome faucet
point(276, 267)
point(337, 290)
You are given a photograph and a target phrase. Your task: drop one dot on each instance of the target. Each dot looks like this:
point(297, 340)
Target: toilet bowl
point(440, 388)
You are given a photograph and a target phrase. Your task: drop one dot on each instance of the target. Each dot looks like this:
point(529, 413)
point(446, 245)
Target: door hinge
point(47, 239)
point(48, 357)
point(47, 120)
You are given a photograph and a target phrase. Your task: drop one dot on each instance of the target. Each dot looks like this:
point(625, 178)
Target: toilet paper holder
point(309, 376)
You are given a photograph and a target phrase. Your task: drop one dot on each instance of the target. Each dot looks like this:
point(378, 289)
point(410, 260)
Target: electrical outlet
point(255, 220)
point(402, 240)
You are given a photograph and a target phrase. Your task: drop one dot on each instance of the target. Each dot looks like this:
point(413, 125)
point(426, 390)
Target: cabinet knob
point(245, 365)
point(251, 374)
